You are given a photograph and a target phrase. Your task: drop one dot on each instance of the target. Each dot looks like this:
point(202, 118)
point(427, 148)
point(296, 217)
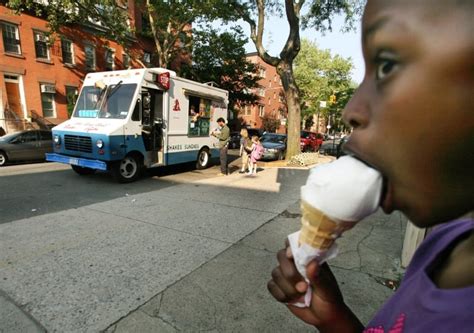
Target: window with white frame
point(261, 110)
point(109, 59)
point(147, 57)
point(261, 92)
point(89, 51)
point(262, 72)
point(47, 100)
point(67, 51)
point(11, 38)
point(41, 45)
point(247, 110)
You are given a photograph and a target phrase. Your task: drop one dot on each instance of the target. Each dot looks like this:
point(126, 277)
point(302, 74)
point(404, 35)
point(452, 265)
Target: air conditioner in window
point(47, 88)
point(40, 38)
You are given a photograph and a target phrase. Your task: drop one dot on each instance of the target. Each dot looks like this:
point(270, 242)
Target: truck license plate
point(73, 161)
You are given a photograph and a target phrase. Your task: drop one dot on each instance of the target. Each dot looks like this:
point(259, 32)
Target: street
point(179, 250)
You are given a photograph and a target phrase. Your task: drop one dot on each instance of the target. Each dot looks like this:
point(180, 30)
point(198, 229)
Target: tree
point(319, 76)
point(220, 58)
point(319, 16)
point(167, 23)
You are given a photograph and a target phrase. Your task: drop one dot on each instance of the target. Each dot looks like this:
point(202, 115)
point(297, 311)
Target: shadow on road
point(31, 194)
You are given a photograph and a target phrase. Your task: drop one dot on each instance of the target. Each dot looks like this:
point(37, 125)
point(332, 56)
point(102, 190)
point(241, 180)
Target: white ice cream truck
point(125, 121)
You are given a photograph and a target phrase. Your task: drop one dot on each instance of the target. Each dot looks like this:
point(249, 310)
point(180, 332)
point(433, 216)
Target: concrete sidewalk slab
point(229, 292)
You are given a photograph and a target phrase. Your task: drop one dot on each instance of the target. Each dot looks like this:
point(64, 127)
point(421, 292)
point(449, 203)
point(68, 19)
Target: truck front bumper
point(82, 162)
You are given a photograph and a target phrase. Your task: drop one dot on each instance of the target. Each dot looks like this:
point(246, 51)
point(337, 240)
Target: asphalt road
point(28, 190)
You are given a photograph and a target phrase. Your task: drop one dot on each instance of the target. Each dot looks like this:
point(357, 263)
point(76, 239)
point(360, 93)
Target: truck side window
point(199, 116)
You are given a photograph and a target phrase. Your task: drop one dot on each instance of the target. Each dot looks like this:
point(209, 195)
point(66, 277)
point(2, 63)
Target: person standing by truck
point(223, 134)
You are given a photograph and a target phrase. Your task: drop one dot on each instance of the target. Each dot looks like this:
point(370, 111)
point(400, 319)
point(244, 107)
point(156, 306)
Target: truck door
point(152, 121)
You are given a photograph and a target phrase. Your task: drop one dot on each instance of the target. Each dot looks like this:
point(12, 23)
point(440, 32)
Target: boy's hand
point(327, 311)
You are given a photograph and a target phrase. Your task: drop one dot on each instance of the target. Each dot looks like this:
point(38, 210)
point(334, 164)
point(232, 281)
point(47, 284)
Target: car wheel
point(82, 171)
point(203, 159)
point(3, 158)
point(127, 170)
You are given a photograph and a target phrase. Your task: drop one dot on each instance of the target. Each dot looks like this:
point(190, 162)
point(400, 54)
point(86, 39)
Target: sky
point(343, 44)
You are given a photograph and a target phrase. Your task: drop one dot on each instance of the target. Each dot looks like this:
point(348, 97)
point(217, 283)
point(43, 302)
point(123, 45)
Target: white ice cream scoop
point(345, 190)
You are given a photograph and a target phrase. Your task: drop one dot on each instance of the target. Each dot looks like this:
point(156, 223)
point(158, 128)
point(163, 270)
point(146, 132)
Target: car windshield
point(273, 138)
point(8, 137)
point(110, 102)
point(304, 134)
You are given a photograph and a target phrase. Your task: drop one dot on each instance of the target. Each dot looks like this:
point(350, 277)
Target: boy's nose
point(356, 112)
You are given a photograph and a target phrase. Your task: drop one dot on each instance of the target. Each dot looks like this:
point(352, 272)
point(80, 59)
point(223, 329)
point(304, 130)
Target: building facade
point(270, 112)
point(40, 79)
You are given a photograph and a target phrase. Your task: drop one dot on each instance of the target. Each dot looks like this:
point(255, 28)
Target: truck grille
point(78, 143)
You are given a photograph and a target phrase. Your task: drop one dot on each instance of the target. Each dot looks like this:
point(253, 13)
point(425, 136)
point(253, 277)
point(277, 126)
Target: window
point(126, 61)
point(28, 137)
point(41, 45)
point(262, 72)
point(269, 101)
point(71, 97)
point(109, 59)
point(200, 110)
point(274, 95)
point(47, 99)
point(89, 51)
point(67, 51)
point(11, 38)
point(280, 98)
point(261, 110)
point(147, 57)
point(247, 110)
point(261, 92)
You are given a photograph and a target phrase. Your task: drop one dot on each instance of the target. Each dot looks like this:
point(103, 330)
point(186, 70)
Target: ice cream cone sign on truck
point(129, 120)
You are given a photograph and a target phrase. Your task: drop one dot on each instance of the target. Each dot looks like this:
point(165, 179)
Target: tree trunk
point(292, 94)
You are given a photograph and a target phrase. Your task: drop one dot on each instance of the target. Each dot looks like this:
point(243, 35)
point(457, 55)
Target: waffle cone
point(318, 230)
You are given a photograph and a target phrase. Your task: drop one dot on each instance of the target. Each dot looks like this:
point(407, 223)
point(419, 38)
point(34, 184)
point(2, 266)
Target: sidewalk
point(227, 292)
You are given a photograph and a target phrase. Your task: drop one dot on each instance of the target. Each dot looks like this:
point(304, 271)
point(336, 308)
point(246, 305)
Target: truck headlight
point(272, 150)
point(99, 143)
point(57, 139)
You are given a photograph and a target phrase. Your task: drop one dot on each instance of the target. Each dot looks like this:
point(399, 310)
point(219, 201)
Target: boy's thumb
point(323, 282)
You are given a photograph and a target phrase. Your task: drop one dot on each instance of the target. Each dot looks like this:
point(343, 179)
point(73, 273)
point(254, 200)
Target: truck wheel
point(127, 170)
point(3, 158)
point(203, 159)
point(82, 171)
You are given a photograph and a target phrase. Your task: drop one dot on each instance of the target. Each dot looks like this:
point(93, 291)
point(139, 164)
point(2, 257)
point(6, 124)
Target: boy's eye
point(384, 65)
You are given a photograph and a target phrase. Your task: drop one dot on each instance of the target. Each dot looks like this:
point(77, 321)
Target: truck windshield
point(111, 102)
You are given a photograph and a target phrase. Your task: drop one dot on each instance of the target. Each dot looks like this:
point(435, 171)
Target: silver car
point(29, 145)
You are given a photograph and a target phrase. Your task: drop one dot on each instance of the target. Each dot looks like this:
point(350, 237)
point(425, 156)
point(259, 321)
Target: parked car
point(310, 141)
point(333, 147)
point(234, 140)
point(255, 132)
point(29, 145)
point(274, 145)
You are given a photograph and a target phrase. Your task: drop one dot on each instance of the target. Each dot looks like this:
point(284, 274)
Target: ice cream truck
point(126, 121)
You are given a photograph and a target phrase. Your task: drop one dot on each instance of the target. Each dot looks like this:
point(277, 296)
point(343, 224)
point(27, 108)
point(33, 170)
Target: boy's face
point(413, 115)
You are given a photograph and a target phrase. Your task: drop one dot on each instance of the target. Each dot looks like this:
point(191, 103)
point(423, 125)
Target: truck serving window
point(199, 112)
point(110, 102)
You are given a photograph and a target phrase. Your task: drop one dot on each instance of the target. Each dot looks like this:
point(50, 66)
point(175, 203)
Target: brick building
point(271, 105)
point(39, 81)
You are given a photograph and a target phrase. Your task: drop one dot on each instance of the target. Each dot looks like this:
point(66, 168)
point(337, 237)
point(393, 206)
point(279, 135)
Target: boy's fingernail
point(301, 286)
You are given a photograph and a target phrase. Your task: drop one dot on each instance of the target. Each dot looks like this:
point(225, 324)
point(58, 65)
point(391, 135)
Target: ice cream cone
point(318, 230)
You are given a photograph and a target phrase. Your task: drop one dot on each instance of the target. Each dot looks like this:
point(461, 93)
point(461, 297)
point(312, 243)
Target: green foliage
point(220, 58)
point(320, 75)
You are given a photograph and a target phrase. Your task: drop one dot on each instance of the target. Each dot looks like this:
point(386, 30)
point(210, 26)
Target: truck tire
point(3, 158)
point(203, 159)
point(82, 171)
point(128, 169)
